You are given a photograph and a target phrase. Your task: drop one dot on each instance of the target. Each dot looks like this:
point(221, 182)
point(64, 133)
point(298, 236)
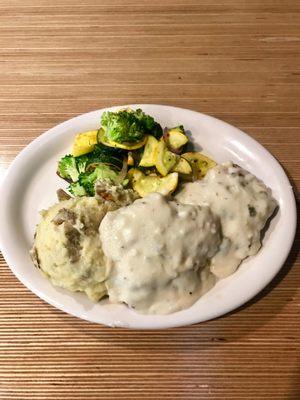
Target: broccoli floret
point(102, 172)
point(102, 158)
point(67, 168)
point(152, 127)
point(106, 155)
point(82, 162)
point(100, 149)
point(122, 126)
point(76, 189)
point(129, 126)
point(156, 131)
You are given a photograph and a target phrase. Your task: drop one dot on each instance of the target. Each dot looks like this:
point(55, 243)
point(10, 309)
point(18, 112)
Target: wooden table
point(236, 60)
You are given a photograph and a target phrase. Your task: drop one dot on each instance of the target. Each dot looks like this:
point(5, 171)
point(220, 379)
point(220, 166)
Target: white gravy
point(157, 253)
point(242, 202)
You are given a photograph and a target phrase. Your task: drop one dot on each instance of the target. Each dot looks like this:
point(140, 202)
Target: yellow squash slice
point(134, 174)
point(176, 138)
point(182, 167)
point(149, 156)
point(199, 163)
point(149, 184)
point(84, 143)
point(165, 159)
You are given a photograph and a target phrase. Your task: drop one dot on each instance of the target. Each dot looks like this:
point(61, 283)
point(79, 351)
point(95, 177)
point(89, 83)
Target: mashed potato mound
point(67, 247)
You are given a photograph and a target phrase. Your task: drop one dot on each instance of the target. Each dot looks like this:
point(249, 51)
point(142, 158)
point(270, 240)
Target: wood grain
point(237, 60)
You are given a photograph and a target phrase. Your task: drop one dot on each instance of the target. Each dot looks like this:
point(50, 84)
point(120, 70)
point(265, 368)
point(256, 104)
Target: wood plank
point(178, 6)
point(286, 30)
point(141, 53)
point(58, 76)
point(138, 92)
point(89, 41)
point(209, 105)
point(141, 18)
point(39, 67)
point(242, 5)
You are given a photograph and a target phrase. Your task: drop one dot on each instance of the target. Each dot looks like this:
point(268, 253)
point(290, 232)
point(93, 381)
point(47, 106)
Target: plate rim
point(160, 325)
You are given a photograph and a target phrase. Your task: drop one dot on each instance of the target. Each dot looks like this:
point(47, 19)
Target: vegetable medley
point(131, 149)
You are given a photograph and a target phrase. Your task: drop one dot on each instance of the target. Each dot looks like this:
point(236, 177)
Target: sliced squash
point(149, 155)
point(175, 138)
point(125, 145)
point(149, 184)
point(182, 167)
point(165, 159)
point(199, 163)
point(84, 143)
point(134, 174)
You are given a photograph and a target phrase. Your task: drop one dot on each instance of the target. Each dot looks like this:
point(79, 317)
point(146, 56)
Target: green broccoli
point(67, 168)
point(152, 127)
point(83, 171)
point(88, 179)
point(106, 155)
point(100, 149)
point(122, 126)
point(82, 162)
point(129, 126)
point(76, 189)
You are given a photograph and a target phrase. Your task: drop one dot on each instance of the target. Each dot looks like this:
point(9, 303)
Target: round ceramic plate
point(31, 183)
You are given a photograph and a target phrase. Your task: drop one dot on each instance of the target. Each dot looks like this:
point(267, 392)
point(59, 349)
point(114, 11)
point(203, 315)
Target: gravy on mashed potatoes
point(242, 202)
point(163, 254)
point(157, 252)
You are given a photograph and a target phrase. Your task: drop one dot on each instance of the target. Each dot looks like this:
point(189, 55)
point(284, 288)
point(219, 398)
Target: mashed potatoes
point(67, 246)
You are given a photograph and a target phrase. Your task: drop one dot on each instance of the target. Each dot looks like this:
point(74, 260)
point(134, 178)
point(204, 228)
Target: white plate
point(31, 185)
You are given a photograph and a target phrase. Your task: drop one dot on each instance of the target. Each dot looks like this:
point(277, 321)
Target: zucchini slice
point(84, 143)
point(175, 138)
point(149, 155)
point(134, 174)
point(183, 167)
point(199, 163)
point(165, 159)
point(149, 184)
